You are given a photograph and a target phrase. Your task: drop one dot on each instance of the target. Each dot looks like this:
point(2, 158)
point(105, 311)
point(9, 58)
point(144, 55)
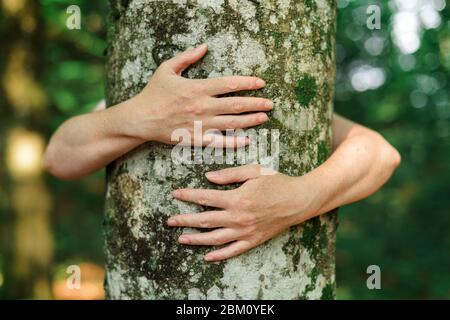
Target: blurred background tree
point(49, 73)
point(394, 79)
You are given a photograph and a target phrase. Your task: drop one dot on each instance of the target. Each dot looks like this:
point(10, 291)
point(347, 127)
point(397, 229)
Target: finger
point(223, 85)
point(216, 140)
point(204, 197)
point(232, 250)
point(212, 238)
point(235, 175)
point(238, 122)
point(182, 61)
point(235, 105)
point(208, 219)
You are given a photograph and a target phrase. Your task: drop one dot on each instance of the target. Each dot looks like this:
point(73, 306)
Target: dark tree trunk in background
point(27, 240)
point(290, 44)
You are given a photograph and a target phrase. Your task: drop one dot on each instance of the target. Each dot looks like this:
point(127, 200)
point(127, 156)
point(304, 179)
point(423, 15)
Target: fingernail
point(269, 104)
point(183, 239)
point(263, 117)
point(211, 174)
point(260, 83)
point(209, 257)
point(201, 47)
point(171, 222)
point(176, 193)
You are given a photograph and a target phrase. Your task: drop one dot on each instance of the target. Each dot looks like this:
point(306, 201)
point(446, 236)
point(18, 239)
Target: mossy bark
point(290, 44)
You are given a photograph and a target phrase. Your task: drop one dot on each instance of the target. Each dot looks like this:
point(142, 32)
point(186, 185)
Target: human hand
point(170, 102)
point(257, 211)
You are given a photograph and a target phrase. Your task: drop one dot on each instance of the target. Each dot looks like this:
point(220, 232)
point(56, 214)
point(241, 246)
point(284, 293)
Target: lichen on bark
point(290, 44)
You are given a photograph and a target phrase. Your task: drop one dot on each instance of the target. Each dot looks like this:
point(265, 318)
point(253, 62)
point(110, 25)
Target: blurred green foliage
point(403, 228)
point(71, 72)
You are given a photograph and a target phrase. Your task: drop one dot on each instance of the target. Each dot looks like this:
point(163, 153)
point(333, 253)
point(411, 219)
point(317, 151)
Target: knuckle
point(247, 220)
point(235, 251)
point(219, 256)
point(204, 223)
point(193, 240)
point(232, 83)
point(216, 239)
point(231, 253)
point(251, 229)
point(189, 108)
point(194, 108)
point(237, 107)
point(250, 220)
point(234, 218)
point(198, 109)
point(233, 123)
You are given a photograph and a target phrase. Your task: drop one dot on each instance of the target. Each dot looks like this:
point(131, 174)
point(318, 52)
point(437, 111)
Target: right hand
point(170, 102)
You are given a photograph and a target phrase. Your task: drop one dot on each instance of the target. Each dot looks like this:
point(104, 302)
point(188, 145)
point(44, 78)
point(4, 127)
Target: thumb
point(235, 175)
point(182, 61)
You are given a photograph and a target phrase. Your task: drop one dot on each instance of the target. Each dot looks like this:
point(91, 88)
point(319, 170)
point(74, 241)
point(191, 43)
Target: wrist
point(124, 119)
point(311, 196)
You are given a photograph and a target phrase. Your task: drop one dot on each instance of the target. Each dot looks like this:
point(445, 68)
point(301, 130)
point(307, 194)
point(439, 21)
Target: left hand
point(257, 211)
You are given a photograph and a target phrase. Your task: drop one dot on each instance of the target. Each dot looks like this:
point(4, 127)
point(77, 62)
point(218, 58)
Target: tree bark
point(290, 44)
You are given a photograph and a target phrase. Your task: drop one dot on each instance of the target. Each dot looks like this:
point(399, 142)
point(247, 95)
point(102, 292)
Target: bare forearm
point(360, 165)
point(168, 102)
point(87, 143)
point(265, 205)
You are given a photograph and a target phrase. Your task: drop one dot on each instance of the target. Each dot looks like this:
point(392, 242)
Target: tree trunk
point(290, 44)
